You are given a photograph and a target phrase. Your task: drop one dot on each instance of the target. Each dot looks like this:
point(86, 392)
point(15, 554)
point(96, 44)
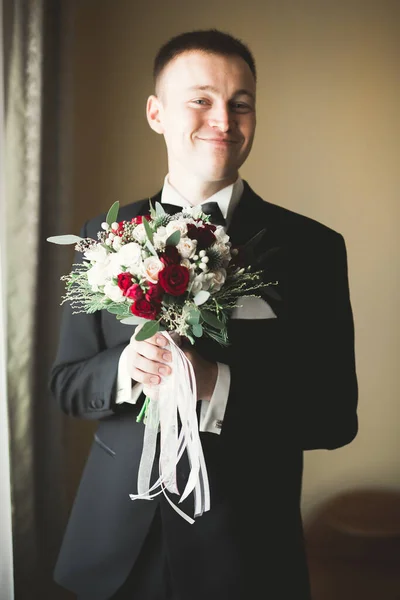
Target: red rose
point(124, 281)
point(170, 256)
point(134, 291)
point(174, 279)
point(204, 235)
point(143, 308)
point(154, 294)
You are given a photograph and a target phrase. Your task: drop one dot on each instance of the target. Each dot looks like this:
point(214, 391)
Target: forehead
point(195, 69)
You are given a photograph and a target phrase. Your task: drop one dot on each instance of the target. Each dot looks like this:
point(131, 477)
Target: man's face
point(205, 109)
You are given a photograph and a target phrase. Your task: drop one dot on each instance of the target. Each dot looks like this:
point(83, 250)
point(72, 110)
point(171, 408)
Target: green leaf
point(173, 239)
point(212, 319)
point(118, 309)
point(112, 213)
point(197, 330)
point(152, 211)
point(64, 239)
point(134, 320)
point(193, 317)
point(151, 248)
point(148, 229)
point(148, 330)
point(201, 297)
point(159, 210)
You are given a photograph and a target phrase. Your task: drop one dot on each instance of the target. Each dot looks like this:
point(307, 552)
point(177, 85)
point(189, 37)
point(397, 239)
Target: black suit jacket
point(293, 388)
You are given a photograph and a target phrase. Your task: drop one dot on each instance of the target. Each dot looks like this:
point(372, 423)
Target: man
point(287, 382)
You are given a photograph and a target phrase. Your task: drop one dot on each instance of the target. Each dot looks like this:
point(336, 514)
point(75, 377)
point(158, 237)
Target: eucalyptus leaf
point(153, 212)
point(118, 309)
point(134, 320)
point(201, 297)
point(193, 317)
point(159, 210)
point(112, 214)
point(173, 239)
point(197, 330)
point(148, 330)
point(148, 229)
point(212, 319)
point(151, 248)
point(64, 239)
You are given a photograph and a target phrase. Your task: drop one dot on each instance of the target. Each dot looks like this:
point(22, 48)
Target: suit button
point(97, 403)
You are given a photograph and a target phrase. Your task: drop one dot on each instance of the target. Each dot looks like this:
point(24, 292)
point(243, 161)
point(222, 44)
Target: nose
point(221, 118)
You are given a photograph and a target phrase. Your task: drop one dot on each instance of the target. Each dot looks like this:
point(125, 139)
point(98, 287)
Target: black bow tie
point(209, 208)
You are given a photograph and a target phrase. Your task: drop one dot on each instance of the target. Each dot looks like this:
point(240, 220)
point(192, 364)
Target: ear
point(153, 113)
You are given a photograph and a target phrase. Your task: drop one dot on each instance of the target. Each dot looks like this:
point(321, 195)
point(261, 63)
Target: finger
point(150, 366)
point(144, 378)
point(150, 350)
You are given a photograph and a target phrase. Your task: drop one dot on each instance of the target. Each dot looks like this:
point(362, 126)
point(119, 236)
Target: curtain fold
point(36, 207)
point(22, 173)
point(6, 553)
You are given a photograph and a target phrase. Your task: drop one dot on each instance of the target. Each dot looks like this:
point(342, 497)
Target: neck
point(196, 190)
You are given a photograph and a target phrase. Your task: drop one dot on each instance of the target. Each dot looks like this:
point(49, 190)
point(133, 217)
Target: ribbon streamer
point(175, 397)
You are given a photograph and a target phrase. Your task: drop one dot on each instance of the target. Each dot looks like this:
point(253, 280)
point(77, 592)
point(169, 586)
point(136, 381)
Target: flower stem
point(143, 411)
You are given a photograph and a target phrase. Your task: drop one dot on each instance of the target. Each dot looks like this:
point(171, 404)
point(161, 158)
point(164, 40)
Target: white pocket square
point(253, 308)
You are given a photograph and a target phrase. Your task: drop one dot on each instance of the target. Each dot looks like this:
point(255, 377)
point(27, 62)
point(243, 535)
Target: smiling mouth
point(219, 142)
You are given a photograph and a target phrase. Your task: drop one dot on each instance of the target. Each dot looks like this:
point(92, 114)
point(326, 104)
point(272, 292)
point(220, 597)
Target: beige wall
point(327, 146)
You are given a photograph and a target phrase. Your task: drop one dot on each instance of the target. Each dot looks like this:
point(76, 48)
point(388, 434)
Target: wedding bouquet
point(177, 274)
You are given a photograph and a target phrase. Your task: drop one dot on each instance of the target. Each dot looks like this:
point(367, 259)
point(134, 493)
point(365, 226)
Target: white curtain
point(6, 556)
point(36, 205)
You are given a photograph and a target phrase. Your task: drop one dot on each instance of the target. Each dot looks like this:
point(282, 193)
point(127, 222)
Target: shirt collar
point(227, 198)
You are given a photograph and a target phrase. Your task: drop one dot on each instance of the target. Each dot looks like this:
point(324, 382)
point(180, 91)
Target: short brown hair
point(211, 41)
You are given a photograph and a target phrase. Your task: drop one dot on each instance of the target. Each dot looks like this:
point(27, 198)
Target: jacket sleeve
point(294, 378)
point(322, 355)
point(84, 374)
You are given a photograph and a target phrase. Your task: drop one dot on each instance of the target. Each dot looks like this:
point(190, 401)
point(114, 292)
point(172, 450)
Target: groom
point(286, 384)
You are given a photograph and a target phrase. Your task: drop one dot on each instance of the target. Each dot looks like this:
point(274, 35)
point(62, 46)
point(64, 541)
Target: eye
point(200, 102)
point(241, 107)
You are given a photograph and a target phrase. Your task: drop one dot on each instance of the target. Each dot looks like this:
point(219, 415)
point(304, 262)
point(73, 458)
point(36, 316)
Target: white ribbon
point(175, 396)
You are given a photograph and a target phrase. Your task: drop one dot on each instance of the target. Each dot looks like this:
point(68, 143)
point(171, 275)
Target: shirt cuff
point(212, 413)
point(126, 392)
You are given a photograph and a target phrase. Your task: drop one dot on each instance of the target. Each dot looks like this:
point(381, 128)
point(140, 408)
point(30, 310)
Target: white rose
point(218, 280)
point(194, 211)
point(187, 247)
point(186, 263)
point(97, 276)
point(97, 254)
point(178, 225)
point(222, 237)
point(113, 292)
point(139, 233)
point(196, 286)
point(225, 251)
point(159, 238)
point(117, 243)
point(152, 266)
point(130, 255)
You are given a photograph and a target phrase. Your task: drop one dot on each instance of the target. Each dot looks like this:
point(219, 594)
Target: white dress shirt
point(212, 412)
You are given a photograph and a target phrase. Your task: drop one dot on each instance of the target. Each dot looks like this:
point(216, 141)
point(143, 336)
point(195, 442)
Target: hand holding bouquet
point(171, 273)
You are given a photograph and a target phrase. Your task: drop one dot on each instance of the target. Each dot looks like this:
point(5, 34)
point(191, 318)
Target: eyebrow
point(211, 88)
